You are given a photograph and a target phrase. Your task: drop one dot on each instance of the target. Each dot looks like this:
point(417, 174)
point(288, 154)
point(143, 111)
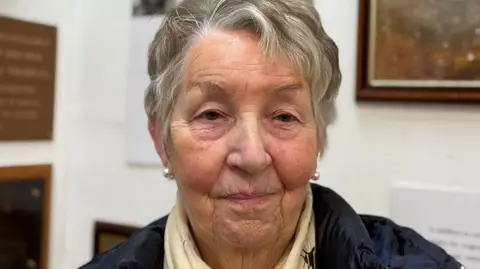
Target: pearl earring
point(316, 176)
point(167, 174)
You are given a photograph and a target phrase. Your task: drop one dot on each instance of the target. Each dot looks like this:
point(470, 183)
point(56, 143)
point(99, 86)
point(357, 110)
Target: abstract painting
point(419, 49)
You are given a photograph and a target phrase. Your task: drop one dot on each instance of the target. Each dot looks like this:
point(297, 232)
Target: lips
point(246, 196)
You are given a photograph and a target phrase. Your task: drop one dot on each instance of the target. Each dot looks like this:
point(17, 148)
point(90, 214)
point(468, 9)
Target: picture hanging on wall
point(24, 216)
point(147, 16)
point(151, 7)
point(109, 235)
point(419, 50)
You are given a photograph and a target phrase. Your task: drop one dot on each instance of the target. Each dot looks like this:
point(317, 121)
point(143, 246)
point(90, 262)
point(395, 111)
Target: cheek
point(196, 164)
point(295, 161)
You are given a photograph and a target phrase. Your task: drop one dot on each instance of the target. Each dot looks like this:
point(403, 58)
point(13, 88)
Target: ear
point(154, 129)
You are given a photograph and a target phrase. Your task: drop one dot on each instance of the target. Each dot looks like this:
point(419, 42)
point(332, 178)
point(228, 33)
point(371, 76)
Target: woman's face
point(244, 142)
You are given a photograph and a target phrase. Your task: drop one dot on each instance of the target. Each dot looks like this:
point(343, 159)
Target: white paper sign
point(450, 218)
point(147, 17)
point(140, 148)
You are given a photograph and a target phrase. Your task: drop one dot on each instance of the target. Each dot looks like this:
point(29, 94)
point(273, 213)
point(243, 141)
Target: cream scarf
point(181, 252)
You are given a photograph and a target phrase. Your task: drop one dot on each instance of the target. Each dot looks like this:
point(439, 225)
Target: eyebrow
point(211, 88)
point(289, 87)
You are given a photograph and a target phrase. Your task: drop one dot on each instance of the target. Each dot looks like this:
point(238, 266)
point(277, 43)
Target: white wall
point(101, 184)
point(57, 13)
point(370, 146)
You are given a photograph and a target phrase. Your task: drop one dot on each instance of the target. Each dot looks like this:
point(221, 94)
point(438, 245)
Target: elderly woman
point(240, 98)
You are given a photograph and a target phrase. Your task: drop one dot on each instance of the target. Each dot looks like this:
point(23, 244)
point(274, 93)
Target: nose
point(248, 152)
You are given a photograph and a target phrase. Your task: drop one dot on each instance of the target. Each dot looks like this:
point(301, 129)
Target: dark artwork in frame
point(151, 7)
point(109, 235)
point(24, 216)
point(419, 50)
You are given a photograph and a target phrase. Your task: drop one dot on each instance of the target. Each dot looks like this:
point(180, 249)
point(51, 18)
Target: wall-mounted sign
point(24, 216)
point(447, 217)
point(146, 18)
point(27, 80)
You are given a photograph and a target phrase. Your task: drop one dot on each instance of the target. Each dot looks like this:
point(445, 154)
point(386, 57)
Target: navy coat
point(344, 240)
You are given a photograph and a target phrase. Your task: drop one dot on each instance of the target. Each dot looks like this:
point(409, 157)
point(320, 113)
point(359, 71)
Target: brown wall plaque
point(24, 216)
point(27, 80)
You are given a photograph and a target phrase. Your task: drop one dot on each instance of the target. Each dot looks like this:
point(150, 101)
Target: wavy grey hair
point(290, 28)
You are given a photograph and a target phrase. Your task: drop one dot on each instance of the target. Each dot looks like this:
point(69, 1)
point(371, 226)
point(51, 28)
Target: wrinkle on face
point(247, 149)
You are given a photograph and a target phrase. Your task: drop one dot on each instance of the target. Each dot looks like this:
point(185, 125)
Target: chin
point(249, 234)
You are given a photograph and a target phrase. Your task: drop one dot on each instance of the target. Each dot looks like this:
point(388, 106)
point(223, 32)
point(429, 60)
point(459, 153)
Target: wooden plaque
point(109, 235)
point(27, 80)
point(24, 216)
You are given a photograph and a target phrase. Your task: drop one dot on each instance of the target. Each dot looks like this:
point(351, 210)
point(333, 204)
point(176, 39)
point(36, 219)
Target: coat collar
point(341, 238)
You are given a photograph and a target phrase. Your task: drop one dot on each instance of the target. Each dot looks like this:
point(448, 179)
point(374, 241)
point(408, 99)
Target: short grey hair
point(290, 28)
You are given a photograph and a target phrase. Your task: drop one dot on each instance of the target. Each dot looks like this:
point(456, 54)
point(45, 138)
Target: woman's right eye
point(210, 115)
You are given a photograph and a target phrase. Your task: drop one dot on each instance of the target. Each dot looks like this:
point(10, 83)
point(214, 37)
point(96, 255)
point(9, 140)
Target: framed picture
point(418, 50)
point(24, 216)
point(143, 8)
point(109, 235)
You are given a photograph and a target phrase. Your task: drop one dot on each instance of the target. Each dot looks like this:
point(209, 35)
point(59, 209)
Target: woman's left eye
point(285, 117)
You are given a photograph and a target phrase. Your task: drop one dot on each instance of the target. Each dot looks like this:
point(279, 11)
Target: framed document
point(419, 50)
point(24, 216)
point(109, 235)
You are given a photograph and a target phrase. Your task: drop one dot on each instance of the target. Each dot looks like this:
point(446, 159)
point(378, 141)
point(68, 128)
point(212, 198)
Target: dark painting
point(151, 7)
point(21, 223)
point(426, 40)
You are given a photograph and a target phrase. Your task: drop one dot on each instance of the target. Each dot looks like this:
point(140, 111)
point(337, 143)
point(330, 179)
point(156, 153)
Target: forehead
point(235, 56)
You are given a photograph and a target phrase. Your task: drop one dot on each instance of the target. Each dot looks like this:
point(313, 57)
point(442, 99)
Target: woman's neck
point(219, 256)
